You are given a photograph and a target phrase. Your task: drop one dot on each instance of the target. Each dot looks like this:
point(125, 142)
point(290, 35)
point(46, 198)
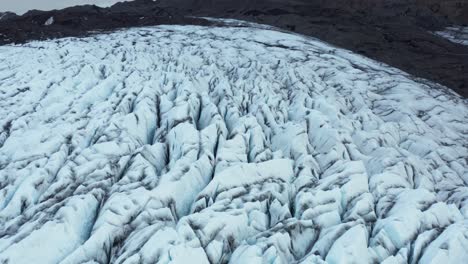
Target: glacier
point(233, 144)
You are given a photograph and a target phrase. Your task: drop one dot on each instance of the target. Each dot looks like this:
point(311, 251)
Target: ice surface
point(237, 144)
point(457, 34)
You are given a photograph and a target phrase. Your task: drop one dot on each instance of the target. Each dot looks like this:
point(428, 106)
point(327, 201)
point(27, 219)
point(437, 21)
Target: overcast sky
point(21, 6)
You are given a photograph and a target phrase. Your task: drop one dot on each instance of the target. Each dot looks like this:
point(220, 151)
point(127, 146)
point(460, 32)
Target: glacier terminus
point(233, 144)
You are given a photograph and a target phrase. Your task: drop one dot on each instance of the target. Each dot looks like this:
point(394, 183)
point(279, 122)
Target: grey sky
point(21, 6)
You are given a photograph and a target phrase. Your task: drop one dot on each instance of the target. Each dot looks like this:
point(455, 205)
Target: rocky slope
point(239, 144)
point(7, 15)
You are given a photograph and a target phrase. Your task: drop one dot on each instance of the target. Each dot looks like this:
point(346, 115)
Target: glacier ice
point(235, 144)
point(457, 34)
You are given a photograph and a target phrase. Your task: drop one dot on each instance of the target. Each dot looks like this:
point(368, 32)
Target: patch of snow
point(49, 21)
point(455, 34)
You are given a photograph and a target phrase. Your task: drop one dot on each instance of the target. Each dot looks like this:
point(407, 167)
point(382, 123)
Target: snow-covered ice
point(190, 144)
point(455, 34)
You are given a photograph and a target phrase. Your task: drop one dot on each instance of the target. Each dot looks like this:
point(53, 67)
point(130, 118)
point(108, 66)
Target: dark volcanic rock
point(7, 15)
point(396, 32)
point(81, 20)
